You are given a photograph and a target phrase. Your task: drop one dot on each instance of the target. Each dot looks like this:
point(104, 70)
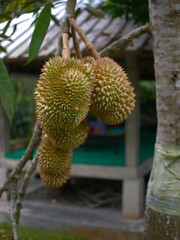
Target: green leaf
point(7, 26)
point(77, 12)
point(6, 91)
point(14, 29)
point(2, 49)
point(94, 11)
point(5, 37)
point(56, 21)
point(39, 32)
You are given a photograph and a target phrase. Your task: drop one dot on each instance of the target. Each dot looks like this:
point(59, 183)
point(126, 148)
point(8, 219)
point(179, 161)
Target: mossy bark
point(161, 226)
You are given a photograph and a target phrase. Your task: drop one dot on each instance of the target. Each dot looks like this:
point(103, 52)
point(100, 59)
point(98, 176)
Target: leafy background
point(24, 112)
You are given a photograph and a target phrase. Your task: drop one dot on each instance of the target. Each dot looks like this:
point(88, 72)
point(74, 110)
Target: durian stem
point(70, 8)
point(88, 44)
point(65, 43)
point(23, 187)
point(36, 136)
point(76, 43)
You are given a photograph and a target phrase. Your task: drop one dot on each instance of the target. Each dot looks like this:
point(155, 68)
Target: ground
point(83, 207)
point(95, 207)
point(83, 192)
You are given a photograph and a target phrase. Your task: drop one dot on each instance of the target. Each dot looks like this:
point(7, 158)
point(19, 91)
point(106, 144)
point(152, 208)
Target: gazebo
point(133, 159)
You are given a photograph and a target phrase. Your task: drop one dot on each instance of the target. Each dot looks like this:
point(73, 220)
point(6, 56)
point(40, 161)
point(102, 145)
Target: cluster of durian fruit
point(67, 90)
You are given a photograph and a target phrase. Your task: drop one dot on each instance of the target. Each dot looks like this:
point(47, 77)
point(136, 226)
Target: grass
point(26, 233)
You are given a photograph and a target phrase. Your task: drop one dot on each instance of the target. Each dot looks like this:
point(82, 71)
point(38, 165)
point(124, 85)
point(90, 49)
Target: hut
point(130, 157)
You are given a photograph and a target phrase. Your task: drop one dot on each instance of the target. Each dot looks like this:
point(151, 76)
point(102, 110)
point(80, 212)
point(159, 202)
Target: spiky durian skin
point(63, 93)
point(68, 139)
point(113, 98)
point(54, 164)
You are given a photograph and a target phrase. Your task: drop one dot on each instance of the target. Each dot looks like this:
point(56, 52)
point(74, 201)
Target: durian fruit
point(63, 93)
point(54, 164)
point(68, 139)
point(113, 98)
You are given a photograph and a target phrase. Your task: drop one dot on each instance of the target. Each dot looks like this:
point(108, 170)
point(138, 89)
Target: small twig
point(125, 40)
point(88, 44)
point(22, 162)
point(23, 188)
point(13, 196)
point(76, 43)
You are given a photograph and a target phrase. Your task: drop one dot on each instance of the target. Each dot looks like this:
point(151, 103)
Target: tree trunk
point(163, 195)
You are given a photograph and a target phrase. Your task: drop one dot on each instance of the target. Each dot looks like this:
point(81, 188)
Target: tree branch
point(70, 8)
point(23, 188)
point(13, 196)
point(125, 40)
point(36, 136)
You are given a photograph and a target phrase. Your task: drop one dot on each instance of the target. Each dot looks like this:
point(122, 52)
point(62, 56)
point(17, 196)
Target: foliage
point(132, 10)
point(24, 105)
point(93, 11)
point(14, 9)
point(34, 234)
point(11, 9)
point(39, 31)
point(6, 92)
point(147, 90)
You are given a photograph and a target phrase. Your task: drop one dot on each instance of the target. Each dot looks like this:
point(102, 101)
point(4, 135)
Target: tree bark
point(163, 195)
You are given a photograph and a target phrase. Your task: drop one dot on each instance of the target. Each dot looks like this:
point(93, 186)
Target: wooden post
point(133, 122)
point(133, 188)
